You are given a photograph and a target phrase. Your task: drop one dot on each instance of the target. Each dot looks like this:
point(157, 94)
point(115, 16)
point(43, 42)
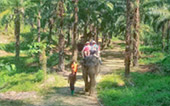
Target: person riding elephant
point(95, 50)
point(90, 69)
point(86, 50)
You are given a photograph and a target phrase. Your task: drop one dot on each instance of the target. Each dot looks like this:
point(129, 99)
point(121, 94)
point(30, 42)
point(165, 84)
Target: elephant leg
point(85, 77)
point(92, 84)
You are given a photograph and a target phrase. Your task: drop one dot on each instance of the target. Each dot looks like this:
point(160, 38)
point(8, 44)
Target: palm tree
point(129, 21)
point(136, 33)
point(75, 35)
point(15, 7)
point(17, 32)
point(159, 13)
point(61, 37)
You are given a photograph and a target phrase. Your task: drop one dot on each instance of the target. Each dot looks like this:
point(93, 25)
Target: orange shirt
point(74, 67)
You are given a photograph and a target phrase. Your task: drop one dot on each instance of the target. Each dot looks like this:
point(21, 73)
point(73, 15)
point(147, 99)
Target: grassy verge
point(155, 56)
point(28, 81)
point(142, 89)
point(148, 90)
point(25, 77)
point(151, 55)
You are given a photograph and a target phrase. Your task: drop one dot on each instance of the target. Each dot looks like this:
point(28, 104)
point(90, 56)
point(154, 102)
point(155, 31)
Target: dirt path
point(112, 60)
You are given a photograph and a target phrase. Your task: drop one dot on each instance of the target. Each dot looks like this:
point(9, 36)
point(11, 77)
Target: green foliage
point(149, 89)
point(165, 64)
point(36, 47)
point(26, 81)
point(17, 82)
point(150, 55)
point(154, 56)
point(53, 60)
point(39, 76)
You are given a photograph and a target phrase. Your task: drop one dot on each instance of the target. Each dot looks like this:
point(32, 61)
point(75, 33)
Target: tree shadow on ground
point(14, 103)
point(62, 96)
point(22, 66)
point(111, 54)
point(10, 47)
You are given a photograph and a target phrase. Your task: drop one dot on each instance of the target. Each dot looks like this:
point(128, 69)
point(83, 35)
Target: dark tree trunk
point(85, 33)
point(163, 37)
point(61, 65)
point(75, 33)
point(6, 28)
point(168, 34)
point(128, 37)
point(69, 37)
point(51, 22)
point(17, 33)
point(168, 41)
point(39, 25)
point(97, 35)
point(136, 34)
point(105, 41)
point(39, 34)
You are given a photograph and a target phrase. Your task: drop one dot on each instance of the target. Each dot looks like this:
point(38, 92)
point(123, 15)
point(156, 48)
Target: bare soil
point(112, 60)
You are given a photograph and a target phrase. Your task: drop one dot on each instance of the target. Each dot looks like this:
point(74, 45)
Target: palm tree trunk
point(68, 36)
point(97, 35)
point(51, 22)
point(75, 49)
point(136, 34)
point(61, 66)
point(128, 37)
point(163, 37)
point(17, 34)
point(85, 32)
point(168, 34)
point(6, 28)
point(39, 25)
point(39, 34)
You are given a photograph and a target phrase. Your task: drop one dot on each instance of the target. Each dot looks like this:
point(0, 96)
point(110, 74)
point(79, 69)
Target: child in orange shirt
point(72, 76)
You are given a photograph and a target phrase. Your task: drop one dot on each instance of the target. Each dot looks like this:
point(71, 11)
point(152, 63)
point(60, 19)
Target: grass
point(152, 58)
point(150, 55)
point(27, 81)
point(14, 103)
point(142, 89)
point(155, 56)
point(148, 90)
point(24, 77)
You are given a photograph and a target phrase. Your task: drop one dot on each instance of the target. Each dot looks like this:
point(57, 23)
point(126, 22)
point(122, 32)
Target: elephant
point(90, 69)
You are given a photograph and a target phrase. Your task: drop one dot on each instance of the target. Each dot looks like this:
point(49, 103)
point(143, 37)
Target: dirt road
point(112, 60)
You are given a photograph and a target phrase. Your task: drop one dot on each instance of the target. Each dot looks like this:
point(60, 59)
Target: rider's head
point(87, 43)
point(93, 42)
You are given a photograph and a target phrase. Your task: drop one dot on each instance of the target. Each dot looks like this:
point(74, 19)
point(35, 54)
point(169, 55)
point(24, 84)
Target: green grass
point(20, 81)
point(155, 56)
point(165, 64)
point(148, 90)
point(152, 58)
point(27, 81)
point(14, 103)
point(150, 55)
point(24, 77)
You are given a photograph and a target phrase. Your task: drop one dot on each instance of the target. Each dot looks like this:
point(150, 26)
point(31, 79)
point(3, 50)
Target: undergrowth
point(147, 90)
